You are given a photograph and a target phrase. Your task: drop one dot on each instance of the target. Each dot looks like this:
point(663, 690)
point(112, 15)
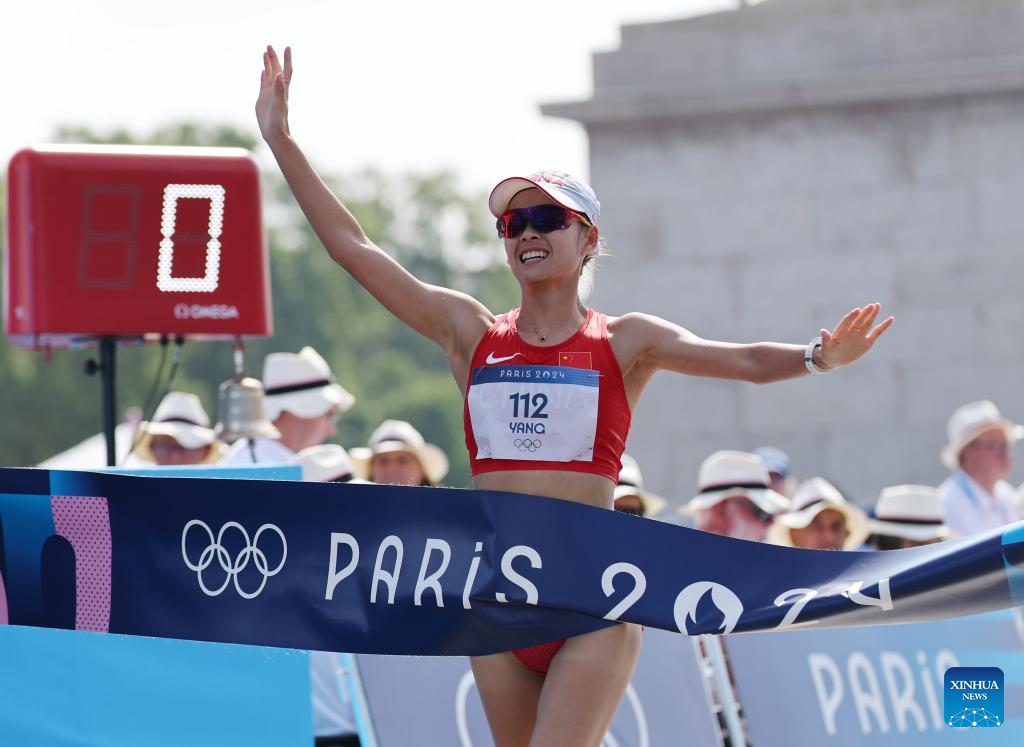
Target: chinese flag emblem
point(575, 360)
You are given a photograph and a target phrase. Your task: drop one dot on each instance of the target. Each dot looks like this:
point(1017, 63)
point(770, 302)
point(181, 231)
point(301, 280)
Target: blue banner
point(879, 685)
point(432, 571)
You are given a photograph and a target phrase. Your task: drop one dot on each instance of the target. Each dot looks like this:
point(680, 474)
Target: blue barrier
point(64, 687)
point(880, 684)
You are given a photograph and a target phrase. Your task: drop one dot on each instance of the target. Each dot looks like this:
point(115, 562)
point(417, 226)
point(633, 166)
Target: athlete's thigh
point(510, 693)
point(584, 687)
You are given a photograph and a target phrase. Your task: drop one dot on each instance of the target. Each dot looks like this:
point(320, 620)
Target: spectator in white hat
point(302, 400)
point(976, 496)
point(734, 497)
point(397, 455)
point(630, 496)
point(819, 518)
point(179, 433)
point(325, 463)
point(907, 516)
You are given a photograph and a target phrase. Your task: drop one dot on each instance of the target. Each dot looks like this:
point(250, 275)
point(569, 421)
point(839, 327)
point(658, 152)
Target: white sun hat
point(970, 421)
point(912, 512)
point(181, 416)
point(728, 474)
point(811, 498)
point(399, 435)
point(631, 482)
point(324, 463)
point(302, 384)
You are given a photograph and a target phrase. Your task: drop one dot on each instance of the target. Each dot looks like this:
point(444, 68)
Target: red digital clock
point(141, 242)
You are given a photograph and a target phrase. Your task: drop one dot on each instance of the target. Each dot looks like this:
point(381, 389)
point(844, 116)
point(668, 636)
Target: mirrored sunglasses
point(544, 218)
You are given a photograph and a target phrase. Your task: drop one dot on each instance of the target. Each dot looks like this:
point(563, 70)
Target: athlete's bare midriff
point(579, 487)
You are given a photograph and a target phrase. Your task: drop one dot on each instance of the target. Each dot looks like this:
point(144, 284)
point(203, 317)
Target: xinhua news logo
point(974, 696)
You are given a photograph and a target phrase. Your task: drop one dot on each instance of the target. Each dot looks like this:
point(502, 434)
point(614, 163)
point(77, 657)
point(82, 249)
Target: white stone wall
point(746, 208)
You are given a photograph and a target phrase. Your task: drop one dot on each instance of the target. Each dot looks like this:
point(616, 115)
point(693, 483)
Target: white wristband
point(809, 357)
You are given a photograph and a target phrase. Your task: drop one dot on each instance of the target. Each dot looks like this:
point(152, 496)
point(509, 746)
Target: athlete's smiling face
point(535, 256)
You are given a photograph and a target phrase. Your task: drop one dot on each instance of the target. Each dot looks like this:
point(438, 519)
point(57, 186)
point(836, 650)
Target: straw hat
point(912, 512)
point(399, 435)
point(631, 482)
point(181, 416)
point(324, 463)
point(970, 421)
point(728, 474)
point(302, 384)
point(810, 499)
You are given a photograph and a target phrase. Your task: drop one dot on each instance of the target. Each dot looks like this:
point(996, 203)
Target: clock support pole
point(108, 372)
point(107, 369)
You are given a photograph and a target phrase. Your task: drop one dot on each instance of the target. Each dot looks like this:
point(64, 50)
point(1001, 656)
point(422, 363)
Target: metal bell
point(240, 412)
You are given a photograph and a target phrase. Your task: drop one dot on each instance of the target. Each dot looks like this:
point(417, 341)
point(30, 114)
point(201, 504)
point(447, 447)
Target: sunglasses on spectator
point(160, 446)
point(751, 508)
point(996, 446)
point(545, 218)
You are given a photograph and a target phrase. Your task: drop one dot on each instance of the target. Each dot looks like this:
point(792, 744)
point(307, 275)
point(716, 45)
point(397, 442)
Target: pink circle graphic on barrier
point(85, 523)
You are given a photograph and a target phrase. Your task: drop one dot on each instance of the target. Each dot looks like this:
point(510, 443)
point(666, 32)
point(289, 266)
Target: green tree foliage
point(179, 133)
point(429, 222)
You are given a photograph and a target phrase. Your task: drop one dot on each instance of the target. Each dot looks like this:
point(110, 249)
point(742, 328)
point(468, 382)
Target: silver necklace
point(543, 338)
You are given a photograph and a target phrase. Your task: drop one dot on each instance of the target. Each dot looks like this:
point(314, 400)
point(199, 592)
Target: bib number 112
point(538, 401)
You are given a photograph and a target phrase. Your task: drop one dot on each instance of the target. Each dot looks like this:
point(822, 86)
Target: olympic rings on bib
point(527, 444)
point(232, 567)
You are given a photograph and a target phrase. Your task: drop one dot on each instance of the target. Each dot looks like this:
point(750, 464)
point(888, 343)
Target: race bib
point(537, 413)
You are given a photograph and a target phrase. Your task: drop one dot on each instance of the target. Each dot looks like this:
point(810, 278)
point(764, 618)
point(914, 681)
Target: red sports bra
point(560, 407)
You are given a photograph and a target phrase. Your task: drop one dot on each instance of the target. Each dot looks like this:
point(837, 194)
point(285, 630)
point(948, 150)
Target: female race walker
point(564, 693)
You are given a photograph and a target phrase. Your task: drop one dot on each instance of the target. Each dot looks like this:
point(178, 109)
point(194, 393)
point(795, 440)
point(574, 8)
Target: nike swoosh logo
point(491, 360)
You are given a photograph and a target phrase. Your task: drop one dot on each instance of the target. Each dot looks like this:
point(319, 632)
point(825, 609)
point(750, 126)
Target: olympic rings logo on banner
point(233, 567)
point(527, 444)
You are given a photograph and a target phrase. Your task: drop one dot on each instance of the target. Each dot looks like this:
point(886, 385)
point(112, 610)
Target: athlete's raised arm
point(445, 316)
point(656, 344)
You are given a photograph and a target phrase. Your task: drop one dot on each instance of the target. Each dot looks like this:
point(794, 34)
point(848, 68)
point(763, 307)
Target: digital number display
point(134, 242)
point(207, 283)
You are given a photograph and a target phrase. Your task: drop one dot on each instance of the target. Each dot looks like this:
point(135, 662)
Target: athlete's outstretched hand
point(853, 336)
point(272, 104)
